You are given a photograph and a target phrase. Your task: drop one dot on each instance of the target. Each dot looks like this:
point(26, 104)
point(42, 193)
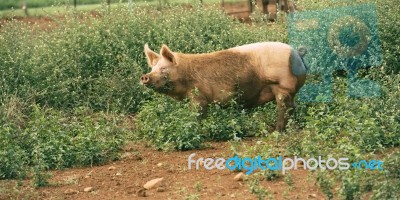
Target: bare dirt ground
point(125, 178)
point(43, 22)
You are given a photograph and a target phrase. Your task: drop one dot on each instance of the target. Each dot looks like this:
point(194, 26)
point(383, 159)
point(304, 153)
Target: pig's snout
point(145, 79)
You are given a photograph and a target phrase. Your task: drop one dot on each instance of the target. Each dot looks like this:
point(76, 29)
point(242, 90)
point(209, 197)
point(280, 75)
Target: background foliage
point(8, 4)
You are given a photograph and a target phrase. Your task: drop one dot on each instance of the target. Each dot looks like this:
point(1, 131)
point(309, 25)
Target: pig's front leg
point(201, 100)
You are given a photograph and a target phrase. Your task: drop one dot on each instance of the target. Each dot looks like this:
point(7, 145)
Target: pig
point(259, 72)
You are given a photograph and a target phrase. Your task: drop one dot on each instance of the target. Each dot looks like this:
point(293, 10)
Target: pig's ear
point(167, 53)
point(152, 57)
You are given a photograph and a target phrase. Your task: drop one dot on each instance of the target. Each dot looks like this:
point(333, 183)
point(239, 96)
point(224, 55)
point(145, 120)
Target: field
point(76, 123)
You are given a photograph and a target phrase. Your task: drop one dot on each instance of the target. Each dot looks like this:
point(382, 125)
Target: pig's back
point(261, 46)
point(272, 60)
point(275, 55)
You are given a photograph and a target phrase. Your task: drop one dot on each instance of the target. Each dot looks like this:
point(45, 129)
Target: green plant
point(192, 197)
point(198, 186)
point(389, 179)
point(13, 158)
point(225, 123)
point(258, 190)
point(289, 180)
point(169, 125)
point(325, 183)
point(54, 140)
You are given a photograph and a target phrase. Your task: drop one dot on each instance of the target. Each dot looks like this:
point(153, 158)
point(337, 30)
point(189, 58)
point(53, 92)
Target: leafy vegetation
point(10, 8)
point(51, 139)
point(167, 125)
point(66, 90)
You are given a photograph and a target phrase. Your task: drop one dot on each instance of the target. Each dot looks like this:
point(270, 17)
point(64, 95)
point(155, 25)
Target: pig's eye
point(163, 69)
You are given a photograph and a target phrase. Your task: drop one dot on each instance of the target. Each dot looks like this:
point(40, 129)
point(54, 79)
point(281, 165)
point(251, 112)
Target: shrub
point(169, 125)
point(64, 141)
point(389, 185)
point(232, 121)
point(13, 159)
point(54, 140)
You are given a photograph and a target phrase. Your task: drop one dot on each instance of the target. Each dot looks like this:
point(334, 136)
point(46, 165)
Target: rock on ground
point(153, 183)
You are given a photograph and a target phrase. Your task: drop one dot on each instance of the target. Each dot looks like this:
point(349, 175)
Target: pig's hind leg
point(285, 104)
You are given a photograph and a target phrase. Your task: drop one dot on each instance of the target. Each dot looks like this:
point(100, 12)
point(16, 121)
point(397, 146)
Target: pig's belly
point(263, 96)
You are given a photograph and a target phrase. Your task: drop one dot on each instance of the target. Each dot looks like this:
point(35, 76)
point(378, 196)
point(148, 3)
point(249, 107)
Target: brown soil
point(124, 179)
point(43, 22)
